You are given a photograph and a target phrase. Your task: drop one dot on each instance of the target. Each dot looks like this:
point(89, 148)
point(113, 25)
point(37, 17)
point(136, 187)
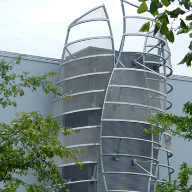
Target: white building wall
point(31, 100)
point(182, 92)
point(38, 100)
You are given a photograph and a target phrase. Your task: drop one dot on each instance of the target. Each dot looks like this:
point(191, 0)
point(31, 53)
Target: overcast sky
point(38, 27)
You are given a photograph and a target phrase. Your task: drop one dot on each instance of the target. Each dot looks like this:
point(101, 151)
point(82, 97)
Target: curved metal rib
point(86, 66)
point(136, 89)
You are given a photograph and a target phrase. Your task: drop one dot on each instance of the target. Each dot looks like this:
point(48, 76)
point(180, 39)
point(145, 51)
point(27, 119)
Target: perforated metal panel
point(84, 72)
point(129, 156)
point(114, 93)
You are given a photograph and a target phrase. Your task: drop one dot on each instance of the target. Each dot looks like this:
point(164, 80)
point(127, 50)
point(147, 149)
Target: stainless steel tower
point(115, 92)
point(85, 70)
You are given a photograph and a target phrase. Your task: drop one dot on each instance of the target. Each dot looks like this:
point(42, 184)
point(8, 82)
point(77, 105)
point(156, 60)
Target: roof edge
point(30, 57)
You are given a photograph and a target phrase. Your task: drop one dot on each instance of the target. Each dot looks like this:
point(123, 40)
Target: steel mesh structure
point(115, 91)
point(85, 70)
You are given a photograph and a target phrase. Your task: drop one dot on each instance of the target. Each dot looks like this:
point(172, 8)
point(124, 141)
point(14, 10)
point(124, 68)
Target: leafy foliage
point(29, 144)
point(182, 184)
point(145, 27)
point(11, 84)
point(183, 129)
point(164, 122)
point(164, 20)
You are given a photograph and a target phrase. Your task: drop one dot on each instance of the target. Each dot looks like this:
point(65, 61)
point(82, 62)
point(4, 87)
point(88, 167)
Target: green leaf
point(163, 18)
point(164, 29)
point(142, 8)
point(189, 17)
point(166, 2)
point(190, 46)
point(183, 25)
point(186, 4)
point(161, 15)
point(175, 12)
point(153, 9)
point(188, 61)
point(180, 31)
point(170, 36)
point(184, 59)
point(157, 27)
point(190, 35)
point(159, 5)
point(145, 27)
point(155, 1)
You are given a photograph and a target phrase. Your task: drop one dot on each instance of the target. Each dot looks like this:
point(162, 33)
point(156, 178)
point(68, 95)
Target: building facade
point(115, 91)
point(42, 102)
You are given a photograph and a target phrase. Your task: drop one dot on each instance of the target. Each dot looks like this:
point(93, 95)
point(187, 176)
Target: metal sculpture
point(115, 91)
point(85, 70)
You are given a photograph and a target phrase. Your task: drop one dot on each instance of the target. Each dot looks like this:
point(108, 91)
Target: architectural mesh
point(114, 93)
